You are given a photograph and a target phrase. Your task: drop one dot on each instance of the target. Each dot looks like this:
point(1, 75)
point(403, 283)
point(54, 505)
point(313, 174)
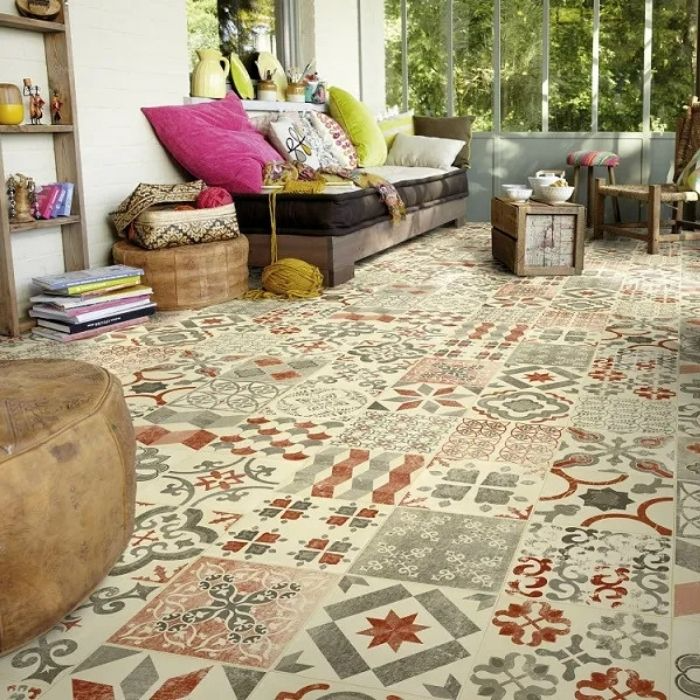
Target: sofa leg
point(458, 223)
point(337, 275)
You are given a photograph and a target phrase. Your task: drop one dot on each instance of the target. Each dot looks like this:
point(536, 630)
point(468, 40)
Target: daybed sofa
point(335, 230)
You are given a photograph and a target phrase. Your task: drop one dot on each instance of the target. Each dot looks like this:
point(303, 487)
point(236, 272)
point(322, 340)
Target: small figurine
point(36, 101)
point(20, 190)
point(55, 106)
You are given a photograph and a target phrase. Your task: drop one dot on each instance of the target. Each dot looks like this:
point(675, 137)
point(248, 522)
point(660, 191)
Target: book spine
point(60, 200)
point(104, 284)
point(68, 201)
point(110, 320)
point(47, 204)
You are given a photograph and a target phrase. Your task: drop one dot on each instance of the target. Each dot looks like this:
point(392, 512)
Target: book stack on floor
point(82, 304)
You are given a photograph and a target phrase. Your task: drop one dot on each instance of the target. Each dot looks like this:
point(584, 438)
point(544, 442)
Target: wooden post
point(590, 204)
point(616, 201)
point(654, 218)
point(599, 218)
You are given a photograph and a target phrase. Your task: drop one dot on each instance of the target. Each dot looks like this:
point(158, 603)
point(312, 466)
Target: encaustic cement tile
point(534, 649)
point(443, 549)
point(311, 533)
point(227, 611)
point(118, 673)
point(685, 673)
point(593, 567)
point(475, 488)
point(393, 636)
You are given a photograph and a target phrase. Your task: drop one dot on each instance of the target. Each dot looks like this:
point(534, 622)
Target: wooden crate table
point(536, 238)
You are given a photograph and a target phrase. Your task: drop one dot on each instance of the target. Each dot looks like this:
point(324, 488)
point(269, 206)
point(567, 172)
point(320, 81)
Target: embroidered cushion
point(215, 142)
point(360, 126)
point(592, 158)
point(291, 140)
point(335, 138)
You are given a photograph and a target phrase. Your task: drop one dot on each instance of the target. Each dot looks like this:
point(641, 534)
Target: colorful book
point(67, 202)
point(61, 303)
point(68, 337)
point(91, 313)
point(78, 277)
point(60, 200)
point(46, 201)
point(98, 323)
point(117, 283)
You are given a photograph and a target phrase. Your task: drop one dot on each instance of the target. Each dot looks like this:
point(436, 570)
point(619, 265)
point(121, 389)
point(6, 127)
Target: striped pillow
point(398, 124)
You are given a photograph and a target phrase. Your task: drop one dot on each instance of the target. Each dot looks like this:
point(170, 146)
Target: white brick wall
point(126, 55)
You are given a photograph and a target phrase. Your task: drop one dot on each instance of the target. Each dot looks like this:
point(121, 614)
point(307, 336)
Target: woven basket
point(158, 227)
point(193, 276)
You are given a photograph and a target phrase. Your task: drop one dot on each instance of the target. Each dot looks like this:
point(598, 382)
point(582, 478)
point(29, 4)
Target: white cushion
point(425, 151)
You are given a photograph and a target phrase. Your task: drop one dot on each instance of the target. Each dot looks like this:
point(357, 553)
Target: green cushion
point(398, 124)
point(459, 128)
point(360, 126)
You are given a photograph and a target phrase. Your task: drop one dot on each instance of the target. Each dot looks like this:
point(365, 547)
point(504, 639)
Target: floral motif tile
point(475, 488)
point(361, 475)
point(427, 399)
point(551, 355)
point(395, 431)
point(688, 513)
point(443, 549)
point(524, 405)
point(322, 399)
point(558, 650)
point(605, 570)
point(530, 445)
point(472, 375)
point(226, 610)
point(313, 533)
point(399, 636)
point(686, 660)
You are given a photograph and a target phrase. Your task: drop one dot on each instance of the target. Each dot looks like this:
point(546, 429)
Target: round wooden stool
point(590, 160)
point(190, 276)
point(67, 489)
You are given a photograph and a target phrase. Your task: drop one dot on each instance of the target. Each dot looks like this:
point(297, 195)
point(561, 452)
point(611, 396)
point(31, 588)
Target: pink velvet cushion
point(214, 141)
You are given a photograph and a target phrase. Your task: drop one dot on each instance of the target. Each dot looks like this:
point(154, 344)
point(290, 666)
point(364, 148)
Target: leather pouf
point(190, 276)
point(67, 489)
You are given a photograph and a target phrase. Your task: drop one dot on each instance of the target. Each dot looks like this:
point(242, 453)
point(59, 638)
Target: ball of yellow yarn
point(292, 278)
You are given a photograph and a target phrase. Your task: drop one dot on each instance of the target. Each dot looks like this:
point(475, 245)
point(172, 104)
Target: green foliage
point(570, 61)
point(202, 27)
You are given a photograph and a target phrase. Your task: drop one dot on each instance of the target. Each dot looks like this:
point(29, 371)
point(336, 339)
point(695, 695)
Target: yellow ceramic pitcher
point(209, 75)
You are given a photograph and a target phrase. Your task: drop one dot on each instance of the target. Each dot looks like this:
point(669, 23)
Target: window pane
point(621, 65)
point(392, 53)
point(473, 61)
point(246, 26)
point(202, 27)
point(675, 27)
point(521, 65)
point(570, 64)
point(427, 57)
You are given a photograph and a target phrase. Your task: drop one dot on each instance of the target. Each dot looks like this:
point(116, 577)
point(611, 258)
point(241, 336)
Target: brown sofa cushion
point(448, 128)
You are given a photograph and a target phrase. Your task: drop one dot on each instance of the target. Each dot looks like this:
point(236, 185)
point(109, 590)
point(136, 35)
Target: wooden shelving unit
point(59, 66)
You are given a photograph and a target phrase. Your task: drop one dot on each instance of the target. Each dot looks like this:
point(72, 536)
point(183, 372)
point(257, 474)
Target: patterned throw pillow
point(323, 148)
point(332, 133)
point(291, 140)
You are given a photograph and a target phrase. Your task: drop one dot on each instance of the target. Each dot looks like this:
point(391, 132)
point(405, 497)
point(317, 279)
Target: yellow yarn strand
point(288, 278)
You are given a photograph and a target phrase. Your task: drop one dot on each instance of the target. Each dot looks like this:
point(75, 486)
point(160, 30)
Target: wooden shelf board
point(44, 223)
point(29, 24)
point(26, 324)
point(36, 129)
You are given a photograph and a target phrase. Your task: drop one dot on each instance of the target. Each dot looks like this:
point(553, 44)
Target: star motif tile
point(429, 399)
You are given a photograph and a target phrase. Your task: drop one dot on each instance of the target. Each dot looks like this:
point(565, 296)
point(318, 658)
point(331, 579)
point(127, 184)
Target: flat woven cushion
point(592, 158)
point(669, 193)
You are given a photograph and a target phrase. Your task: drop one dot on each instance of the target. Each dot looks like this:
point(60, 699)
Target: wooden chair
point(653, 196)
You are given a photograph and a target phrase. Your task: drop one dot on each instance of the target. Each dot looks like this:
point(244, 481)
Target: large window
point(234, 26)
point(544, 65)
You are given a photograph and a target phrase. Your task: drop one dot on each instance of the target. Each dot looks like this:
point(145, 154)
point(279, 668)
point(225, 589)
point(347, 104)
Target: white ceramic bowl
point(517, 194)
point(540, 181)
point(555, 194)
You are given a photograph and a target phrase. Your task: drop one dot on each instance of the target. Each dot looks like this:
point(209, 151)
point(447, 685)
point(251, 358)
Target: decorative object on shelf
point(267, 89)
point(11, 105)
point(39, 9)
point(55, 105)
point(36, 101)
point(296, 92)
point(320, 94)
point(209, 75)
point(240, 77)
point(20, 191)
point(271, 69)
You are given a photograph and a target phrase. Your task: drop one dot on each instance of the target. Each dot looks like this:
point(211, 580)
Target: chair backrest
point(687, 136)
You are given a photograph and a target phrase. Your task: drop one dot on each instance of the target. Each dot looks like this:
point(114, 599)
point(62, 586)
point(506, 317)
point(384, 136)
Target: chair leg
point(616, 201)
point(576, 174)
point(589, 194)
point(599, 218)
point(654, 219)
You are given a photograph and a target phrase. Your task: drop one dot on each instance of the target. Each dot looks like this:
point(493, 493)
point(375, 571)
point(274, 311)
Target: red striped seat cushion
point(592, 158)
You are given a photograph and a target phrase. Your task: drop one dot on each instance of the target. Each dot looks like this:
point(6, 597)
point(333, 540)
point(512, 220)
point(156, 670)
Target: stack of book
point(82, 304)
point(54, 200)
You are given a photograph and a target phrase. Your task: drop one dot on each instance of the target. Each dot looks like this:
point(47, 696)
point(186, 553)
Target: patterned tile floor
point(437, 481)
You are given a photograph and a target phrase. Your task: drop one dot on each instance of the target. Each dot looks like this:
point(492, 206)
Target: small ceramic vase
point(267, 91)
point(295, 92)
point(11, 105)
